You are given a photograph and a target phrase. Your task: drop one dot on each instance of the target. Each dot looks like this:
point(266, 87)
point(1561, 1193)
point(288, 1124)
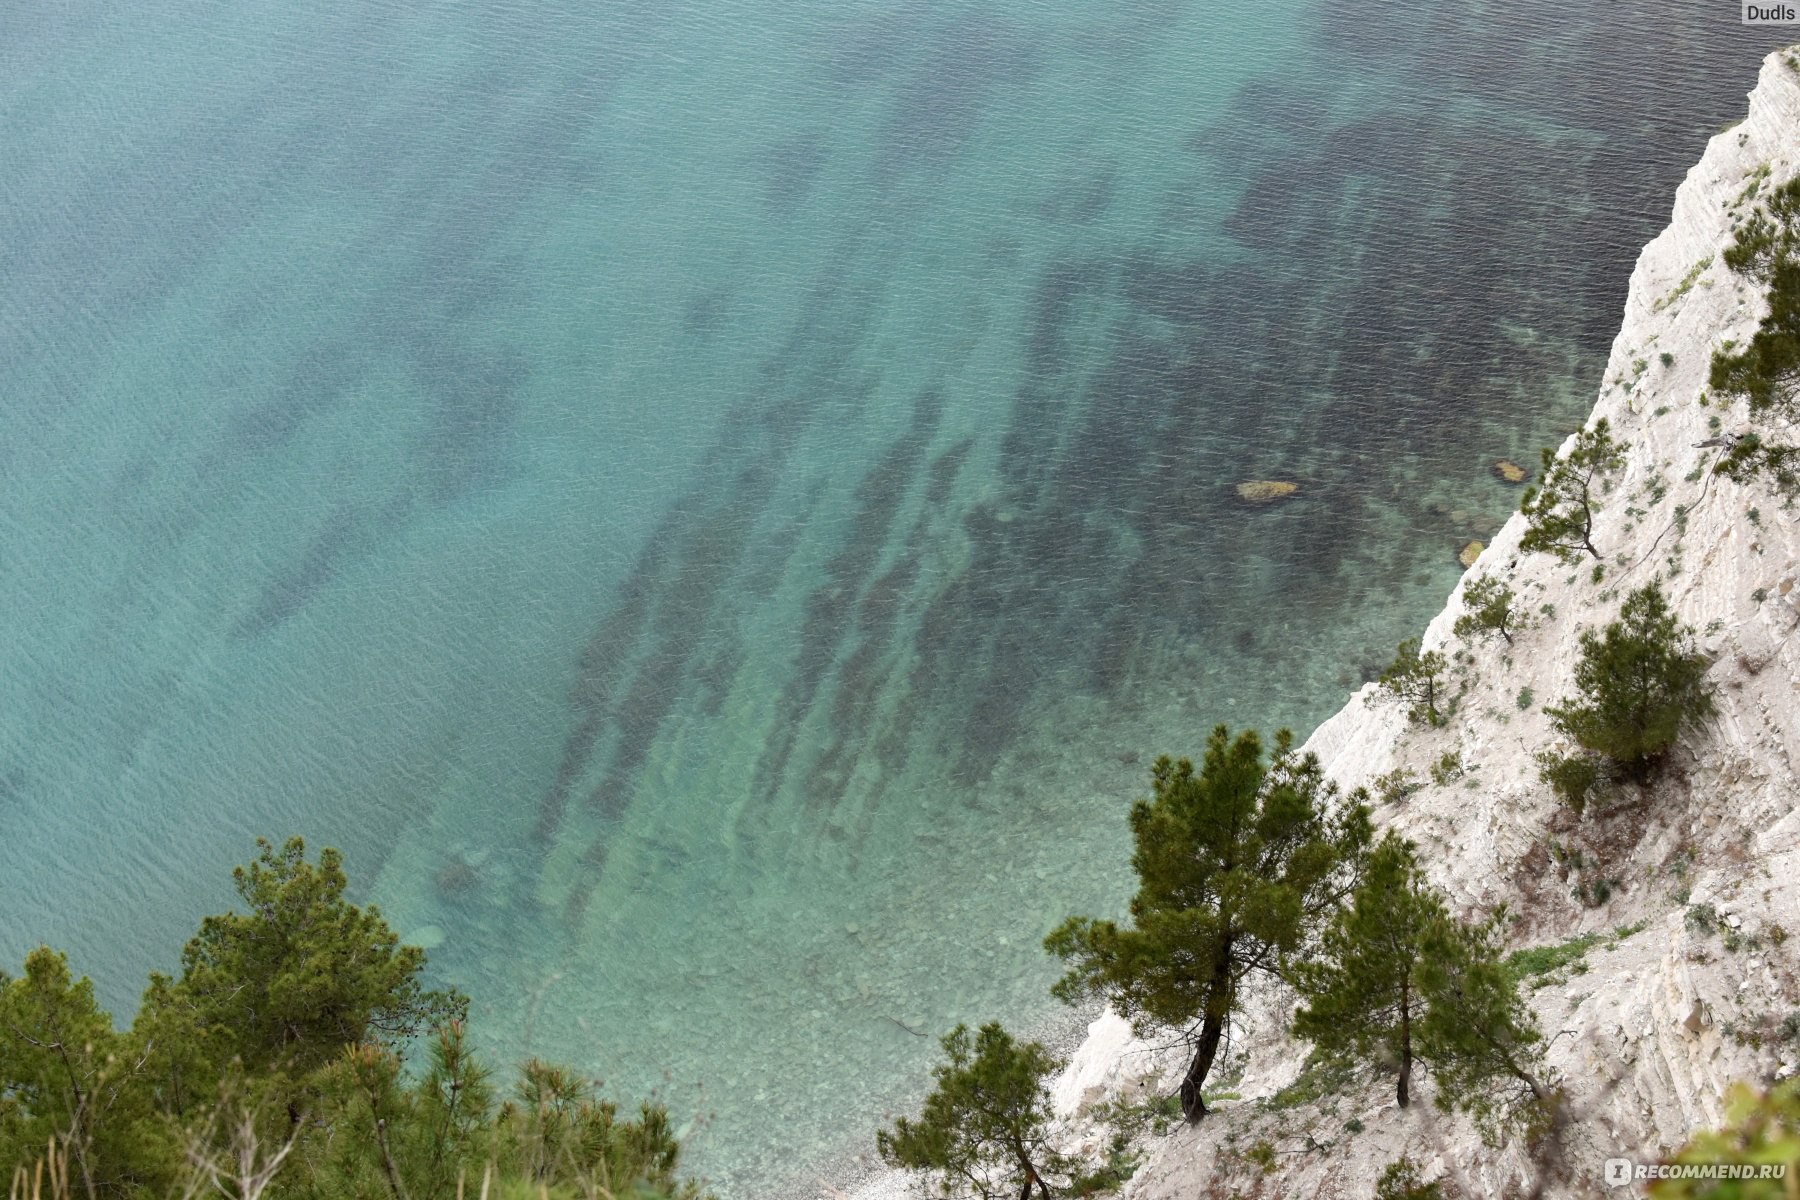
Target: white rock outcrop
point(1702, 877)
point(1692, 891)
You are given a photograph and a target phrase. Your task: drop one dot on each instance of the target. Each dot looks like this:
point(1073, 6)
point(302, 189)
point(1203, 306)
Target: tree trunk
point(1404, 1090)
point(1193, 1107)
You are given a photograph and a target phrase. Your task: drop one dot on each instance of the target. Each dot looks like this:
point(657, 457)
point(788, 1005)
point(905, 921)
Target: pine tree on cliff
point(1560, 515)
point(985, 1126)
point(1364, 993)
point(1484, 1047)
point(1639, 680)
point(1238, 867)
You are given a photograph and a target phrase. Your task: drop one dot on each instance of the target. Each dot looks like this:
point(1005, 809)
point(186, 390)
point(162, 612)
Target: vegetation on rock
point(1488, 609)
point(1485, 1051)
point(1417, 680)
point(1637, 682)
point(1364, 994)
point(983, 1128)
point(1559, 514)
point(1762, 1133)
point(1766, 372)
point(1238, 865)
point(1399, 980)
point(1572, 776)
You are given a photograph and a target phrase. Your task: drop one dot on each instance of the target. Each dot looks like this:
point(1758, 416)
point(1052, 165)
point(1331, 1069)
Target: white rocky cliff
point(1692, 979)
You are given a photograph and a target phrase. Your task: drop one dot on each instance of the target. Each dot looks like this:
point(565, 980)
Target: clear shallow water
point(714, 509)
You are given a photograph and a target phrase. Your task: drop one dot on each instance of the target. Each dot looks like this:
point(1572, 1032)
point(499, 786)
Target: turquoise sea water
point(714, 506)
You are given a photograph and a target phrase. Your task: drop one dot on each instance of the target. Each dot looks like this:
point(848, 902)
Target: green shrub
point(1395, 785)
point(1401, 1181)
point(1573, 777)
point(985, 1124)
point(1542, 960)
point(1766, 372)
point(1760, 1128)
point(1488, 610)
point(1637, 683)
point(1416, 680)
point(1560, 513)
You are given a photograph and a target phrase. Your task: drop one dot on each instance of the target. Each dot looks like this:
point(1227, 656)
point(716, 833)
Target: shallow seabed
point(715, 506)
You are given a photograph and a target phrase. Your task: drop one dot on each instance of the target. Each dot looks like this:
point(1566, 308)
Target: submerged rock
point(1508, 471)
point(1266, 491)
point(425, 937)
point(455, 878)
point(1470, 553)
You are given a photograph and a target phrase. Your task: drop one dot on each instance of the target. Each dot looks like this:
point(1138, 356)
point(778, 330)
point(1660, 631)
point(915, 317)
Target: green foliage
point(1416, 680)
point(1525, 698)
point(1399, 979)
point(1488, 610)
point(1767, 371)
point(272, 1068)
point(1363, 994)
point(1120, 1164)
point(1573, 777)
point(982, 1129)
point(1762, 1130)
point(1400, 1180)
point(1322, 1075)
point(1750, 457)
point(1637, 682)
point(1771, 235)
point(1238, 864)
point(301, 975)
point(1484, 1048)
point(1560, 514)
point(1395, 785)
point(66, 1078)
point(1539, 961)
point(1448, 768)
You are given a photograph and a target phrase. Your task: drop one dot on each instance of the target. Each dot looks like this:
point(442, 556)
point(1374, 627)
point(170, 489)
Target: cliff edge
point(1676, 908)
point(1685, 899)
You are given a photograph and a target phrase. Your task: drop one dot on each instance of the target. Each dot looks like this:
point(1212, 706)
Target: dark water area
point(715, 510)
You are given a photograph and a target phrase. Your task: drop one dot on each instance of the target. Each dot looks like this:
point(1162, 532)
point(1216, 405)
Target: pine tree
point(1560, 514)
point(1238, 866)
point(1636, 683)
point(1481, 1042)
point(1488, 606)
point(301, 975)
point(1416, 679)
point(983, 1128)
point(272, 1068)
point(1363, 993)
point(68, 1079)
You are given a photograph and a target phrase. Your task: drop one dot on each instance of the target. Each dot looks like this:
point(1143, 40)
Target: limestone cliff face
point(1695, 888)
point(1648, 1037)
